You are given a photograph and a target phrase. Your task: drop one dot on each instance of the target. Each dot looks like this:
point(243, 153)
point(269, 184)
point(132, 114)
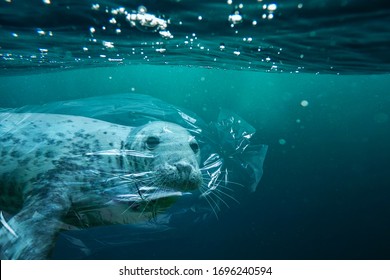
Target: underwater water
point(312, 77)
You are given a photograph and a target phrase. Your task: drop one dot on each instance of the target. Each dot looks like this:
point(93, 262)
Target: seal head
point(168, 153)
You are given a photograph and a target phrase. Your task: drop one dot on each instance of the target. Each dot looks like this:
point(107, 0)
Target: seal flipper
point(36, 225)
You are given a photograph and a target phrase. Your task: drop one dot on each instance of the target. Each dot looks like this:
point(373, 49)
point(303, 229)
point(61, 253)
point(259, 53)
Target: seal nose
point(184, 168)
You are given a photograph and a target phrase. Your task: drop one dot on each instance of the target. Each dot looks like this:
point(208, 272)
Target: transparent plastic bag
point(146, 208)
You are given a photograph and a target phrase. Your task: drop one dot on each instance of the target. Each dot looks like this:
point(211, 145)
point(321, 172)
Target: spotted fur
point(53, 166)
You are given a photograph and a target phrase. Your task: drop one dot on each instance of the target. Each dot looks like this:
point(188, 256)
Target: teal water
point(325, 188)
point(325, 191)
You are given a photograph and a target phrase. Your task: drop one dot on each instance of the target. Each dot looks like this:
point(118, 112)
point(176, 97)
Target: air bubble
point(272, 7)
point(41, 32)
point(161, 50)
point(108, 45)
point(235, 18)
point(166, 34)
point(142, 10)
point(304, 103)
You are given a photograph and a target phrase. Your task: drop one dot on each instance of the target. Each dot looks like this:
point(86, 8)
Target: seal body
point(60, 171)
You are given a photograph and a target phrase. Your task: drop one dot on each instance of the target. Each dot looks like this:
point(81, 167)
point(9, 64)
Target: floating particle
point(142, 9)
point(270, 16)
point(300, 5)
point(95, 7)
point(161, 50)
point(254, 23)
point(222, 46)
point(304, 103)
point(166, 34)
point(15, 35)
point(41, 32)
point(282, 141)
point(200, 17)
point(237, 53)
point(268, 59)
point(230, 2)
point(108, 45)
point(85, 49)
point(235, 18)
point(92, 30)
point(118, 31)
point(272, 7)
point(112, 21)
point(47, 2)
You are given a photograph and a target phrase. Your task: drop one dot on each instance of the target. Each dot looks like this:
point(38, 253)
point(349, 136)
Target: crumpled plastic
point(231, 166)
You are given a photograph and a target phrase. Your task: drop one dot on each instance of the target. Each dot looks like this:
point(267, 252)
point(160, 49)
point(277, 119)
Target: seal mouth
point(149, 194)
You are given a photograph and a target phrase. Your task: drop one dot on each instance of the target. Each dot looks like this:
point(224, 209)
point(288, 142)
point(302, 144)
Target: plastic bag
point(132, 194)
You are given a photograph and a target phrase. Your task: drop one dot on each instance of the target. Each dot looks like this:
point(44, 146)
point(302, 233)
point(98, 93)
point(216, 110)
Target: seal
point(62, 172)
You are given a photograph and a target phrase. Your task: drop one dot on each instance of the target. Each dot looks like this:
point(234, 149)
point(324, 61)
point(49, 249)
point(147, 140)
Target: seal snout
point(188, 176)
point(182, 175)
point(184, 169)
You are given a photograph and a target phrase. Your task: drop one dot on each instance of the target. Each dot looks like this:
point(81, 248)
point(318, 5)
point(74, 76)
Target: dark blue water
point(323, 110)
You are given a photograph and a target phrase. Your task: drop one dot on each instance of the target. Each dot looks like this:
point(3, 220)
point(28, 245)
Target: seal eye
point(195, 147)
point(152, 142)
